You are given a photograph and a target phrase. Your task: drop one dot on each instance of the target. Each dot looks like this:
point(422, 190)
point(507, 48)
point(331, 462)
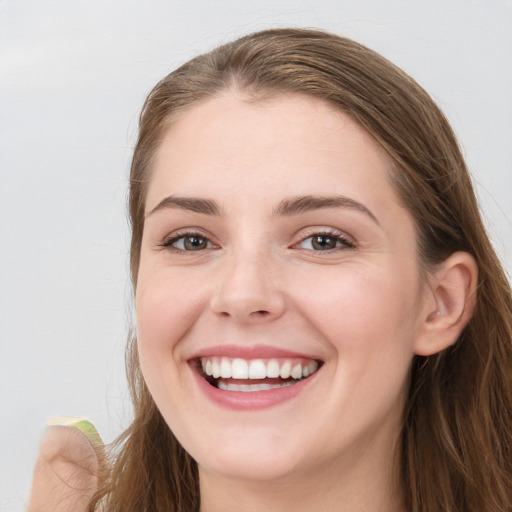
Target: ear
point(449, 304)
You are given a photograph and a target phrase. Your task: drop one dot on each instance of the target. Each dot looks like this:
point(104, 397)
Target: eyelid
point(170, 239)
point(347, 241)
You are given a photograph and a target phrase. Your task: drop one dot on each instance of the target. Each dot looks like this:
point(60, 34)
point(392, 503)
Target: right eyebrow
point(193, 204)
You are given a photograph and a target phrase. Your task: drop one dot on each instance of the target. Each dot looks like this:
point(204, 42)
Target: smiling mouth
point(250, 375)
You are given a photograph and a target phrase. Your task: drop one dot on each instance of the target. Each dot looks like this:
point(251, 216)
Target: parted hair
point(456, 441)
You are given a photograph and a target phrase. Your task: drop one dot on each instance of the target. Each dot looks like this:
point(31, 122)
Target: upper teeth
point(238, 368)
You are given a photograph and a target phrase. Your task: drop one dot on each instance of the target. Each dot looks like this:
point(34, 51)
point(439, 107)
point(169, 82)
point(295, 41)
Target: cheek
point(166, 307)
point(158, 309)
point(163, 318)
point(361, 302)
point(153, 322)
point(369, 319)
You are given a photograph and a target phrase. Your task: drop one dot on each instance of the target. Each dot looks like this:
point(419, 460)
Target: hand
point(66, 471)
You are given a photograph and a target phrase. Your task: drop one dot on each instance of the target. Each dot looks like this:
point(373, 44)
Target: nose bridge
point(248, 287)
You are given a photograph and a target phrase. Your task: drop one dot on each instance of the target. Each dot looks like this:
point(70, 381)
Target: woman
point(322, 323)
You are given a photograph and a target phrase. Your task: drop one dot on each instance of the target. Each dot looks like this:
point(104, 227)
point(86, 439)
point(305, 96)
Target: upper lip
point(250, 352)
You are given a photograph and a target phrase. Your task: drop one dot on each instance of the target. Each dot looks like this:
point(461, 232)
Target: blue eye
point(324, 242)
point(188, 242)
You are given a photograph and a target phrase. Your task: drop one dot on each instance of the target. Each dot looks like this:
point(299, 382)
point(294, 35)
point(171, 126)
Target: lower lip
point(254, 400)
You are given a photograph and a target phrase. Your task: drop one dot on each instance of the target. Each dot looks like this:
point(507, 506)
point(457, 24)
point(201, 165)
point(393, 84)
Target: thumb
point(67, 469)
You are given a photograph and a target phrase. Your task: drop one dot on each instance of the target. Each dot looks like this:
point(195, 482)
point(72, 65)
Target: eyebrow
point(205, 206)
point(304, 204)
point(286, 207)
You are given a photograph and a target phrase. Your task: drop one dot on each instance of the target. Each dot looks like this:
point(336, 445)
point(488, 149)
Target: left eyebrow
point(302, 204)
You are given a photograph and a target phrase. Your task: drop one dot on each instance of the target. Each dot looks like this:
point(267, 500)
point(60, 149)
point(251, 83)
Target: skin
point(65, 474)
point(362, 308)
point(358, 308)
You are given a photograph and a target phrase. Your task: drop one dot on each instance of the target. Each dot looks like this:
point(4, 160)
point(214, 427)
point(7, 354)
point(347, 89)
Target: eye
point(325, 242)
point(188, 242)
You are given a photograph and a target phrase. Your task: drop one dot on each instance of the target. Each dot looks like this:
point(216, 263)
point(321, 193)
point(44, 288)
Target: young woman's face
point(277, 259)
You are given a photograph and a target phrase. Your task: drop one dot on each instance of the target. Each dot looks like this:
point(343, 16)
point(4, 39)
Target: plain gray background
point(73, 76)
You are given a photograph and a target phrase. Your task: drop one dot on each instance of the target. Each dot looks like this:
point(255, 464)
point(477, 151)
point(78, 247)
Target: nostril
point(260, 313)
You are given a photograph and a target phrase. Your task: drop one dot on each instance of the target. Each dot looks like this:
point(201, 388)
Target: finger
point(66, 472)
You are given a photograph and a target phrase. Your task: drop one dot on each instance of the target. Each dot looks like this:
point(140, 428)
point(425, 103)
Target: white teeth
point(258, 369)
point(225, 368)
point(248, 388)
point(272, 369)
point(296, 372)
point(215, 369)
point(286, 370)
point(240, 369)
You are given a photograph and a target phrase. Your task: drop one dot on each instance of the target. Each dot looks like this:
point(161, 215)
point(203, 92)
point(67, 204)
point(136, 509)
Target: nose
point(248, 290)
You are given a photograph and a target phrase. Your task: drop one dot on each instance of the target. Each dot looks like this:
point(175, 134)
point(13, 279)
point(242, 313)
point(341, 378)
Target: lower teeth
point(249, 388)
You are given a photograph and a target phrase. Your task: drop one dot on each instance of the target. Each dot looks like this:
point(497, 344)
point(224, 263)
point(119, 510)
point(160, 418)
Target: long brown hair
point(456, 450)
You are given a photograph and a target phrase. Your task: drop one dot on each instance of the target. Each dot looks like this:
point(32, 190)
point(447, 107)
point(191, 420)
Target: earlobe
point(449, 305)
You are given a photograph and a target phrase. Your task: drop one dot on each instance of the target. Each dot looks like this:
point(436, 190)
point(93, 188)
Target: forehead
point(289, 141)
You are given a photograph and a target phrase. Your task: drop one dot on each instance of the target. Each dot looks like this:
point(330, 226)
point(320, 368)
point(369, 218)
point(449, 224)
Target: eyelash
point(339, 238)
point(169, 242)
point(341, 241)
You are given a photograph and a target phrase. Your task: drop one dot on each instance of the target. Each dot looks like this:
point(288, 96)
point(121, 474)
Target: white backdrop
point(73, 75)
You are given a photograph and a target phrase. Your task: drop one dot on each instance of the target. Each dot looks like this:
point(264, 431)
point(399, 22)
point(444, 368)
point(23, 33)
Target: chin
point(250, 465)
